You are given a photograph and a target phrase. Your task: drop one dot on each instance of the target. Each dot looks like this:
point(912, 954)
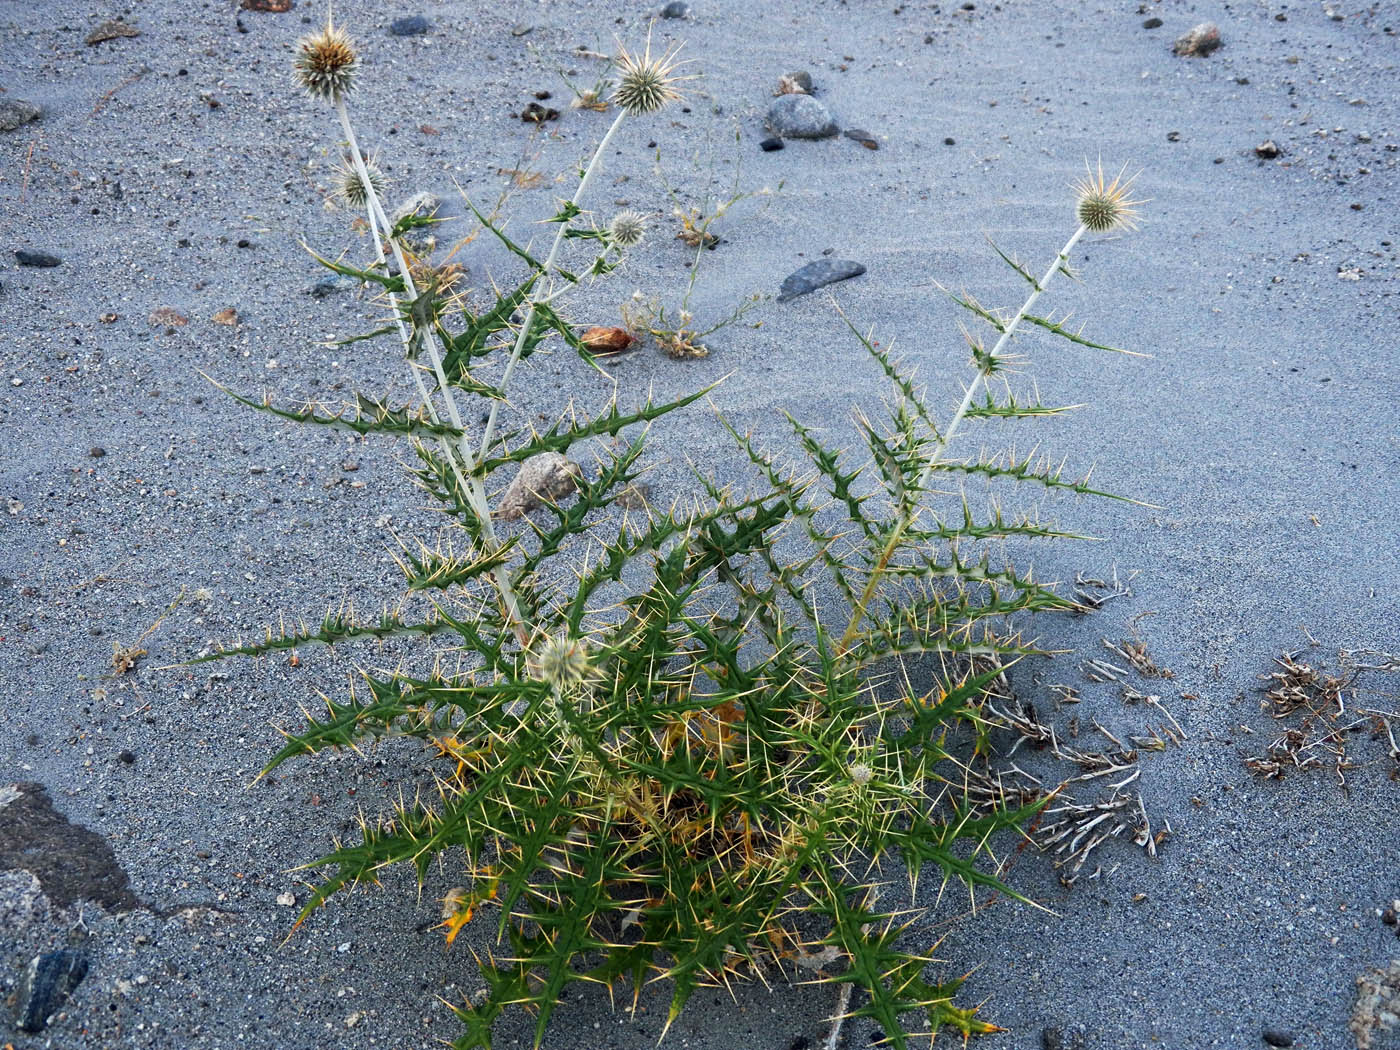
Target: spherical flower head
point(861, 774)
point(627, 229)
point(326, 63)
point(1102, 205)
point(350, 188)
point(562, 661)
point(646, 84)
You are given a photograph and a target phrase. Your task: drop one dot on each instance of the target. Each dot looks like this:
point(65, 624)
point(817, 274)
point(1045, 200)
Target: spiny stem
point(528, 323)
point(941, 442)
point(476, 492)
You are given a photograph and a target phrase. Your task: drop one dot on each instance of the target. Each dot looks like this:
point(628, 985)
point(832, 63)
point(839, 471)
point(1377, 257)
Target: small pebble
point(1199, 42)
point(863, 137)
point(331, 285)
point(675, 9)
point(1152, 23)
point(15, 112)
point(97, 452)
point(1277, 1037)
point(816, 275)
point(950, 142)
point(126, 757)
point(771, 145)
point(410, 25)
point(40, 259)
point(800, 117)
point(1268, 149)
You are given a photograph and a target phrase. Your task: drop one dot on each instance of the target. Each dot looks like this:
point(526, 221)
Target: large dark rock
point(816, 274)
point(46, 986)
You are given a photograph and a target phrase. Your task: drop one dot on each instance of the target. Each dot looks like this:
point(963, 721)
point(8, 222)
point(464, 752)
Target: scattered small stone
point(167, 316)
point(771, 145)
point(126, 757)
point(950, 141)
point(227, 316)
point(287, 900)
point(110, 30)
point(863, 137)
point(1152, 23)
point(675, 9)
point(276, 7)
point(1277, 1037)
point(1268, 149)
point(43, 260)
point(816, 275)
point(799, 83)
point(332, 285)
point(1199, 42)
point(15, 112)
point(1061, 1039)
point(97, 452)
point(1173, 136)
point(534, 113)
point(350, 465)
point(409, 25)
point(46, 986)
point(604, 341)
point(521, 29)
point(547, 476)
point(800, 117)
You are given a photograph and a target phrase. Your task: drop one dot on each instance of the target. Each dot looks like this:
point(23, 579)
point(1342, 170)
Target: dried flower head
point(326, 63)
point(350, 188)
point(627, 229)
point(561, 661)
point(1103, 205)
point(646, 84)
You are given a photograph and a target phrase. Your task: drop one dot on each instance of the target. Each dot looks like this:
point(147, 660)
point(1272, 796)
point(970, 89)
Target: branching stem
point(941, 442)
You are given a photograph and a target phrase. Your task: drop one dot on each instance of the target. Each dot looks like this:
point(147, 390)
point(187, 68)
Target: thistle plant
point(664, 753)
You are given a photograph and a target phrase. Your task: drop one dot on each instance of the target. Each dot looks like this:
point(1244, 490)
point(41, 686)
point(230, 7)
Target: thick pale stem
point(476, 491)
point(593, 164)
point(941, 442)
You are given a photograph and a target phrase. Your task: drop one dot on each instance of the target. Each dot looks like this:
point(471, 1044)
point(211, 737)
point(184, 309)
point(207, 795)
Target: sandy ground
point(1263, 426)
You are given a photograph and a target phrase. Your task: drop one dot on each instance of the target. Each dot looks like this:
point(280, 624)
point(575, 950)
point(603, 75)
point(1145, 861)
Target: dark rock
point(41, 259)
point(1199, 42)
point(675, 9)
point(70, 862)
point(1277, 1037)
point(15, 112)
point(950, 141)
point(410, 25)
point(1062, 1039)
point(817, 274)
point(1268, 149)
point(800, 117)
point(863, 137)
point(332, 284)
point(534, 113)
point(1152, 23)
point(46, 986)
point(1173, 136)
point(126, 757)
point(97, 452)
point(771, 145)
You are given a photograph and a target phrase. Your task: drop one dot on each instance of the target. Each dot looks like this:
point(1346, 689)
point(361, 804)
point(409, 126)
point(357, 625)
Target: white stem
point(529, 321)
point(476, 491)
point(941, 441)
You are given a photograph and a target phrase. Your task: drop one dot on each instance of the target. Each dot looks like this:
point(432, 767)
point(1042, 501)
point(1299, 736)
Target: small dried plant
point(661, 756)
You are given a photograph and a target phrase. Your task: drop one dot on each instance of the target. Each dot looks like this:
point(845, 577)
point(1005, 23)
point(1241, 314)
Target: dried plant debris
point(1319, 712)
point(1377, 1006)
point(1094, 593)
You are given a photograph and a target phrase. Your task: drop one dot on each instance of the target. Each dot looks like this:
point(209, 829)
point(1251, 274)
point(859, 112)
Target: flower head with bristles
point(561, 661)
point(350, 188)
point(1102, 205)
point(646, 84)
point(627, 229)
point(326, 63)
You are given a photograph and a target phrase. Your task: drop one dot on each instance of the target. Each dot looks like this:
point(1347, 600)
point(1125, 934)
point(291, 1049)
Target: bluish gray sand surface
point(177, 169)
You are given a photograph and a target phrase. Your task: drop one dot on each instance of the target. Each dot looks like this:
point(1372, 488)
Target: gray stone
point(1200, 41)
point(1278, 1037)
point(424, 206)
point(411, 25)
point(675, 9)
point(15, 112)
point(332, 284)
point(800, 117)
point(46, 986)
point(42, 260)
point(547, 477)
point(817, 274)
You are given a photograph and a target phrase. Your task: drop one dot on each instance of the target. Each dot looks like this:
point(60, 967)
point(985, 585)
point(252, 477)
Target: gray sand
point(1263, 425)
